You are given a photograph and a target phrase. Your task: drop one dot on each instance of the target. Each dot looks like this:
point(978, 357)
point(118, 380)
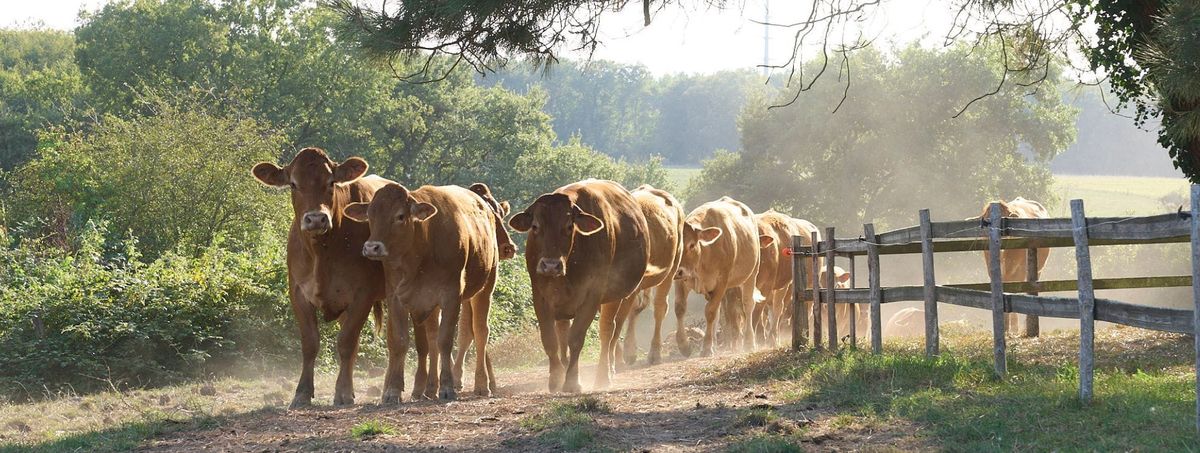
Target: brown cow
point(862, 323)
point(326, 272)
point(1013, 263)
point(664, 217)
point(587, 251)
point(720, 251)
point(774, 279)
point(438, 248)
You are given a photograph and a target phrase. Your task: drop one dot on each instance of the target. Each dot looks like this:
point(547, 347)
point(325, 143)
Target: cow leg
point(451, 306)
point(432, 324)
point(748, 304)
point(491, 374)
point(576, 336)
point(627, 314)
point(421, 342)
point(681, 340)
point(465, 336)
point(660, 312)
point(351, 322)
point(608, 334)
point(548, 329)
point(563, 327)
point(759, 319)
point(306, 320)
point(485, 381)
point(397, 343)
point(712, 308)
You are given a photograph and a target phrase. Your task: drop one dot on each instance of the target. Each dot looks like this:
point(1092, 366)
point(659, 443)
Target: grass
point(766, 443)
point(679, 177)
point(1118, 195)
point(1144, 394)
point(568, 424)
point(369, 429)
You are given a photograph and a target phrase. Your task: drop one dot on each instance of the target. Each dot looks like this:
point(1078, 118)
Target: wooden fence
point(994, 234)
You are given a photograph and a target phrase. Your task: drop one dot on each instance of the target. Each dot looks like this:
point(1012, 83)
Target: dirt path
point(679, 405)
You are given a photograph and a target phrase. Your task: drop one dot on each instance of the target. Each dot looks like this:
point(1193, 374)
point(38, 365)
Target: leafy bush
point(103, 316)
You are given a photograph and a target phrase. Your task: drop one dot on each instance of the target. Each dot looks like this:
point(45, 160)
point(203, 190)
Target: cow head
point(841, 278)
point(507, 248)
point(316, 182)
point(552, 223)
point(695, 239)
point(394, 216)
point(1005, 210)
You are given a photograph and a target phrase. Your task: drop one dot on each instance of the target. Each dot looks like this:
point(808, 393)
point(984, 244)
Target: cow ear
point(587, 224)
point(270, 174)
point(765, 241)
point(350, 170)
point(504, 208)
point(521, 222)
point(843, 277)
point(709, 235)
point(356, 211)
point(480, 188)
point(423, 211)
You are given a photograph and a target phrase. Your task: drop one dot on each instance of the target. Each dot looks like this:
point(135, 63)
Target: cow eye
point(399, 217)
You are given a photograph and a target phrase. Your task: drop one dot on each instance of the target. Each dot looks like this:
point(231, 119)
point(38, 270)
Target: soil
point(681, 405)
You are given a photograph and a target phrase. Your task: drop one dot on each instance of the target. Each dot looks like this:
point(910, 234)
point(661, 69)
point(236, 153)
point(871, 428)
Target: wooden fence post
point(1087, 302)
point(1196, 290)
point(853, 307)
point(998, 315)
point(931, 315)
point(1032, 323)
point(876, 291)
point(816, 291)
point(799, 316)
point(830, 282)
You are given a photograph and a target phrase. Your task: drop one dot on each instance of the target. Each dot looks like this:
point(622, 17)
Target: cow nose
point(374, 249)
point(315, 221)
point(552, 267)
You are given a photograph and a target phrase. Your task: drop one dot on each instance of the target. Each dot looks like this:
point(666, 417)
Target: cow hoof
point(483, 391)
point(706, 352)
point(685, 351)
point(654, 358)
point(571, 387)
point(447, 394)
point(390, 399)
point(300, 401)
point(630, 359)
point(343, 401)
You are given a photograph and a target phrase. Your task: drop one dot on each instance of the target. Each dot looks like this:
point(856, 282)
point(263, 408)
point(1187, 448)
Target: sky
point(688, 38)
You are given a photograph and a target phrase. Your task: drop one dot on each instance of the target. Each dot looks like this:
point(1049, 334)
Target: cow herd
point(431, 255)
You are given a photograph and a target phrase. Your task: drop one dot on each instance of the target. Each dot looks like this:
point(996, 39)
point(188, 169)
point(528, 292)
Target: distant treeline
point(629, 112)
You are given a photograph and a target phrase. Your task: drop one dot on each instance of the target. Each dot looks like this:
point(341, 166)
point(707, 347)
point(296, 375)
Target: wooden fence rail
point(993, 234)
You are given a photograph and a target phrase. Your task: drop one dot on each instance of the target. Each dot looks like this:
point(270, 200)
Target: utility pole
point(766, 37)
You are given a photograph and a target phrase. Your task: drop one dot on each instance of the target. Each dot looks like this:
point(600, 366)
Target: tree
point(39, 85)
point(894, 147)
point(163, 177)
point(1148, 48)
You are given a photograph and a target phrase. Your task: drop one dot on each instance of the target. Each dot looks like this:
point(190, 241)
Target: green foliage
point(39, 85)
point(536, 173)
point(766, 443)
point(512, 306)
point(894, 145)
point(625, 111)
point(103, 315)
point(173, 178)
point(370, 428)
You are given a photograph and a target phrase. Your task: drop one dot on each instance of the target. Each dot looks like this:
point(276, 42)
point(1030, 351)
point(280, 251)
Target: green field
point(1118, 195)
point(1102, 195)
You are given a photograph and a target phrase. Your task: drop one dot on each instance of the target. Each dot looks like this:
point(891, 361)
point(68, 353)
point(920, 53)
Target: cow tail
point(377, 310)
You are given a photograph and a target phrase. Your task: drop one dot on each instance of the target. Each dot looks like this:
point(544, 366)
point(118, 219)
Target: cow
point(664, 218)
point(842, 310)
point(774, 279)
point(720, 252)
point(326, 272)
point(1013, 263)
point(439, 252)
point(587, 251)
point(906, 322)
